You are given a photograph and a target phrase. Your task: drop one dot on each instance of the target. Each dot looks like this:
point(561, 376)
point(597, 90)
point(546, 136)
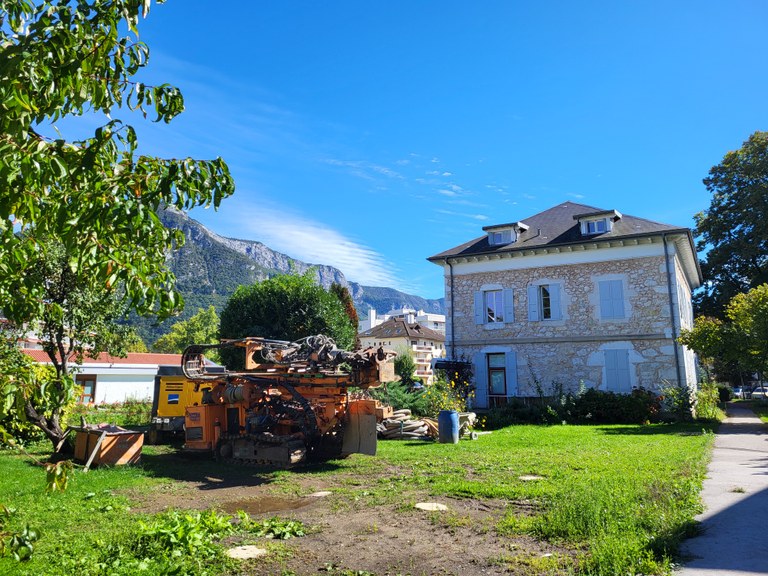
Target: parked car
point(759, 392)
point(738, 392)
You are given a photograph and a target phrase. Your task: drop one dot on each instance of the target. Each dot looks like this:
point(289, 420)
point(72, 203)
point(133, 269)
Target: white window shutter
point(509, 305)
point(533, 303)
point(479, 308)
point(511, 373)
point(554, 299)
point(481, 381)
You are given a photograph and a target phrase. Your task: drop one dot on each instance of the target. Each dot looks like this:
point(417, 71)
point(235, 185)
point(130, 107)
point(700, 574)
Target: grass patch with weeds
point(621, 497)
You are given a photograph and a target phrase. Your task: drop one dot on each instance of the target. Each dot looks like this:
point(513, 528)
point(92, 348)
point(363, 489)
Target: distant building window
point(88, 384)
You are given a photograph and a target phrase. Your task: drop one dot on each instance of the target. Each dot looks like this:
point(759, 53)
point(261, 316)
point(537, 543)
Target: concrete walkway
point(734, 538)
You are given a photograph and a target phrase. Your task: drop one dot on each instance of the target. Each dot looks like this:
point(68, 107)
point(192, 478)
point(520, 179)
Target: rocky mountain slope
point(209, 268)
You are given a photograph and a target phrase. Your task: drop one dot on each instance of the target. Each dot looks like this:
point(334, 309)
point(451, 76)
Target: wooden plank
point(95, 450)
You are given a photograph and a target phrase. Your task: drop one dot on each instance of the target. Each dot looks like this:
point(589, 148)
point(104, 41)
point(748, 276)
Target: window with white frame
point(498, 238)
point(544, 302)
point(617, 376)
point(497, 374)
point(596, 226)
point(611, 299)
point(494, 306)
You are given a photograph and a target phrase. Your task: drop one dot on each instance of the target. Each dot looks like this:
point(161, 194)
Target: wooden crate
point(98, 446)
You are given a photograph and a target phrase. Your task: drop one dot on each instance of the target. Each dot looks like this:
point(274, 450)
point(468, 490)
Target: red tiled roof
point(104, 358)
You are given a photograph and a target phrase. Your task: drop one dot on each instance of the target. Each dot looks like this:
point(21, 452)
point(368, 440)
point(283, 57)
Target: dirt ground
point(353, 538)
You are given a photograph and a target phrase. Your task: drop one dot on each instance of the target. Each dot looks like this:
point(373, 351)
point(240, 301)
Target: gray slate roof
point(557, 227)
point(399, 328)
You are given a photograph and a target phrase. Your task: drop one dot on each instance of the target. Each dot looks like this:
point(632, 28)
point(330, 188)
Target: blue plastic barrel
point(448, 427)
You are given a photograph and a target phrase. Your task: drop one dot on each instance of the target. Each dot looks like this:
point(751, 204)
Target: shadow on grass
point(212, 475)
point(688, 429)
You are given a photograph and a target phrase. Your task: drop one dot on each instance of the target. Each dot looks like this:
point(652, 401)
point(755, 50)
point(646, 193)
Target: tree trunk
point(50, 427)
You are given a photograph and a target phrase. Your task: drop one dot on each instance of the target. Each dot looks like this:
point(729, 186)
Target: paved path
point(734, 540)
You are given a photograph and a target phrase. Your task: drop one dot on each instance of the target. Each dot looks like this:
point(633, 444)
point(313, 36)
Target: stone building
point(573, 296)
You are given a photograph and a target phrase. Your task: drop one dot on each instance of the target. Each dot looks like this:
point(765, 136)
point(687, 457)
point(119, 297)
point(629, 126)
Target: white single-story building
point(108, 379)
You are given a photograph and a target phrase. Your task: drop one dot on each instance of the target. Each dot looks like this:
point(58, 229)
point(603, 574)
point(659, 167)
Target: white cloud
point(314, 243)
point(365, 170)
point(447, 174)
point(577, 196)
point(449, 193)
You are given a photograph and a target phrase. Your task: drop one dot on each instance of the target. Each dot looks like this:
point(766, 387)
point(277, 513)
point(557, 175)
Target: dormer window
point(502, 237)
point(503, 234)
point(595, 226)
point(594, 223)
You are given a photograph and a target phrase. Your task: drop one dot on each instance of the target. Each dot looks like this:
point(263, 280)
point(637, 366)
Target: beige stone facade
point(601, 315)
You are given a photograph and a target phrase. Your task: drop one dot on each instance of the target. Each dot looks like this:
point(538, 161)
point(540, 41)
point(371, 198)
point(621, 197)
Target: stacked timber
point(402, 426)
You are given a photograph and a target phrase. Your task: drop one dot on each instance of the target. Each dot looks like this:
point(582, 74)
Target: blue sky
point(371, 135)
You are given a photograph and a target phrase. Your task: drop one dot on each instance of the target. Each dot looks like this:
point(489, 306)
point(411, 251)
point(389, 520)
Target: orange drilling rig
point(290, 404)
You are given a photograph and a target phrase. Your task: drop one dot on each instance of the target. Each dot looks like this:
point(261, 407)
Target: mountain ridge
point(209, 267)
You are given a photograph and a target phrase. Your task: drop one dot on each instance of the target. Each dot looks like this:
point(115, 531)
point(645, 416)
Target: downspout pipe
point(672, 312)
point(453, 338)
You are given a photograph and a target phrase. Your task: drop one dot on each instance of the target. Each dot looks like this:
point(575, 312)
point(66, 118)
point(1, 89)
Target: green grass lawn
point(622, 497)
point(761, 409)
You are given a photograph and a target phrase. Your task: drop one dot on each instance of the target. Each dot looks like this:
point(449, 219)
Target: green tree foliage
point(133, 342)
point(405, 367)
point(202, 328)
point(748, 317)
point(741, 339)
point(97, 195)
point(734, 228)
point(284, 307)
point(77, 317)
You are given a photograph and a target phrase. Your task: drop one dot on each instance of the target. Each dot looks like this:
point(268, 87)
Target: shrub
point(603, 407)
point(442, 395)
point(516, 411)
point(707, 400)
point(677, 402)
point(400, 396)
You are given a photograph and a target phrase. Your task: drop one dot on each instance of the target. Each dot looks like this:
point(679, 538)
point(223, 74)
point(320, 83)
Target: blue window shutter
point(533, 303)
point(481, 381)
point(511, 373)
point(617, 295)
point(617, 371)
point(479, 308)
point(606, 302)
point(509, 305)
point(611, 299)
point(611, 374)
point(554, 298)
point(622, 369)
